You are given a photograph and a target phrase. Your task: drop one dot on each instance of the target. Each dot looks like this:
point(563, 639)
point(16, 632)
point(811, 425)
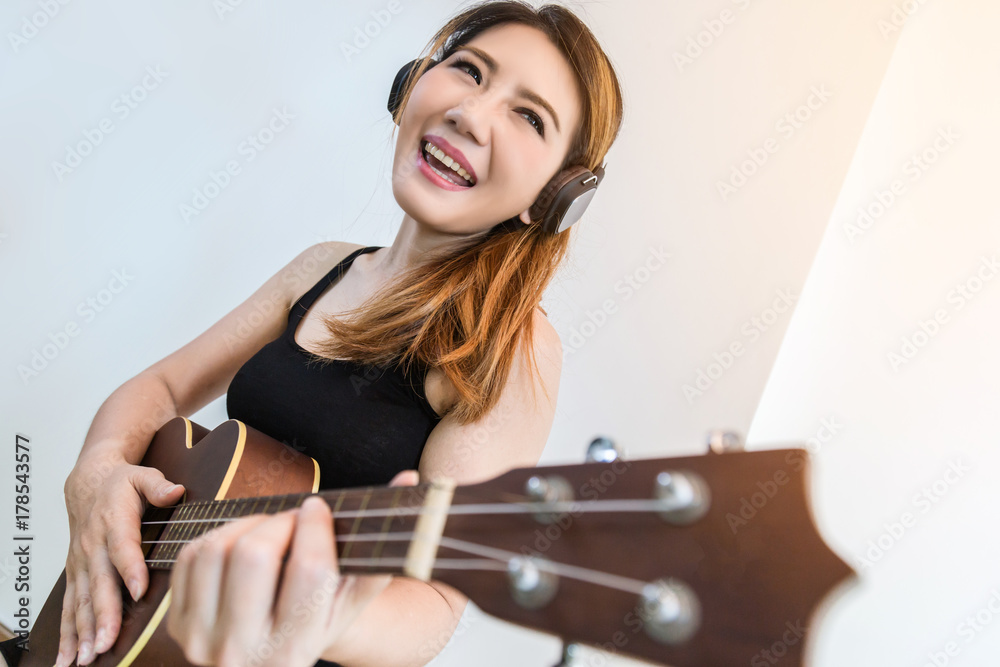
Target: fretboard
point(374, 526)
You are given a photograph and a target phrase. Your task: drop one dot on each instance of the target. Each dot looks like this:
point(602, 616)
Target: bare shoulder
point(311, 265)
point(547, 346)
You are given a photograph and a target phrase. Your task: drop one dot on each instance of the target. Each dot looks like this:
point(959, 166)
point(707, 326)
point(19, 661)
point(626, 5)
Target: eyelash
point(540, 128)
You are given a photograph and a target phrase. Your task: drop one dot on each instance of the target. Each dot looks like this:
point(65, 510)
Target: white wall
point(914, 400)
point(687, 127)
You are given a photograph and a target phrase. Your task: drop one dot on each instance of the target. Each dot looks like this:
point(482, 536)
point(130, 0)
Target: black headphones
point(563, 199)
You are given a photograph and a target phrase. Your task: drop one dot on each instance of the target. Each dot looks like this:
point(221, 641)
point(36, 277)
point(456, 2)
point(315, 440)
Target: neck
point(415, 242)
point(377, 528)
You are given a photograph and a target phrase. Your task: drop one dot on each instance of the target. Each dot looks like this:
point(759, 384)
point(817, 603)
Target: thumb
point(151, 483)
point(406, 478)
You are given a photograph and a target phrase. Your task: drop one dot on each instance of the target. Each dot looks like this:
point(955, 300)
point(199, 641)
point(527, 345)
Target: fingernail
point(168, 489)
point(133, 589)
point(102, 636)
point(86, 652)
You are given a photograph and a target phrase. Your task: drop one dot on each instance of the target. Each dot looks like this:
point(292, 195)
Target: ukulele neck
point(379, 530)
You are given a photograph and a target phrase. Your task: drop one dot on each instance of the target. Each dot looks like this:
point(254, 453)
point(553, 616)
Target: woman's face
point(513, 126)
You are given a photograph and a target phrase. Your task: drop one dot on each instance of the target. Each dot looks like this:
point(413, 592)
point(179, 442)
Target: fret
point(190, 530)
point(358, 520)
point(164, 551)
point(340, 501)
point(173, 533)
point(201, 515)
point(389, 518)
point(216, 511)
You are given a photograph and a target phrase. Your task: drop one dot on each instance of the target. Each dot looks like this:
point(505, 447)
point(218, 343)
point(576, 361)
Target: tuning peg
point(685, 494)
point(570, 653)
point(603, 450)
point(531, 586)
point(721, 441)
point(548, 490)
point(670, 611)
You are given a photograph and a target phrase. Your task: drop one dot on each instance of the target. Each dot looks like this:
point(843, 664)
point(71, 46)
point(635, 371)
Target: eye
point(540, 126)
point(462, 64)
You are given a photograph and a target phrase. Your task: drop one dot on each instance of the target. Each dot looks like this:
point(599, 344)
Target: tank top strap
point(305, 302)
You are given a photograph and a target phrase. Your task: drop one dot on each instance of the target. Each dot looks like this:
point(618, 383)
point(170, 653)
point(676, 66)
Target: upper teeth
point(448, 161)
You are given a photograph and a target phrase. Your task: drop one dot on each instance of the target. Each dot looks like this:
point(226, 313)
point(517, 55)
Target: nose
point(470, 117)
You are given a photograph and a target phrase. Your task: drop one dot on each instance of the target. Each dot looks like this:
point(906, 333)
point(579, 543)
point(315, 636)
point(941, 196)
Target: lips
point(453, 152)
point(432, 175)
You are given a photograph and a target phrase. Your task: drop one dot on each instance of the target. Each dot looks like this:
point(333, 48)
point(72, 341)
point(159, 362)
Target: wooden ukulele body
point(231, 461)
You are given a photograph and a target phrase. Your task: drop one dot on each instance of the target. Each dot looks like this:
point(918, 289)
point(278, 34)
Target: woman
point(437, 329)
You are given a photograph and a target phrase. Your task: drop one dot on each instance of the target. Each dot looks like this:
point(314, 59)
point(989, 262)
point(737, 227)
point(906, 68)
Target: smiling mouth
point(442, 169)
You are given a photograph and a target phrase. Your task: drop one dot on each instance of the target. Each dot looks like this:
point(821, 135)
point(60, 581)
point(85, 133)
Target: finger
point(196, 584)
point(179, 624)
point(123, 540)
point(203, 581)
point(151, 483)
point(125, 554)
point(311, 573)
point(107, 600)
point(67, 624)
point(250, 580)
point(406, 478)
point(84, 620)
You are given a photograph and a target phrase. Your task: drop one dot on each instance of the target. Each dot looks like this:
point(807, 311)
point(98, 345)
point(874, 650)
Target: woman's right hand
point(105, 500)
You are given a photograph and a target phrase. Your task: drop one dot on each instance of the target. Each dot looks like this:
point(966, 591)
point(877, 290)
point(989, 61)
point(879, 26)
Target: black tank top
point(362, 423)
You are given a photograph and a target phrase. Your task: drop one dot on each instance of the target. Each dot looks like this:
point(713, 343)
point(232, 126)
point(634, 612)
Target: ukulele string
point(492, 559)
point(560, 507)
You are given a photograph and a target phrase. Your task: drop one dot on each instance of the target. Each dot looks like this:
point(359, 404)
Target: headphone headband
point(564, 198)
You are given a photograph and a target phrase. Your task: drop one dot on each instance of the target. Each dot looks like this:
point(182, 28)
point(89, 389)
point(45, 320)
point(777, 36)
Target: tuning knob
point(532, 587)
point(670, 611)
point(721, 441)
point(548, 491)
point(684, 494)
point(570, 654)
point(603, 450)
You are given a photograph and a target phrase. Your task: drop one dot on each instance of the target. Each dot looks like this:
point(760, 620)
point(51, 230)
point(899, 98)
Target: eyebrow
point(527, 94)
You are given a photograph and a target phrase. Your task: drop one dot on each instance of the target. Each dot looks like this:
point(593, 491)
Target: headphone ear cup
point(558, 195)
point(400, 82)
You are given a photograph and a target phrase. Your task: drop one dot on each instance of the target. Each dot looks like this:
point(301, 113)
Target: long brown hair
point(467, 308)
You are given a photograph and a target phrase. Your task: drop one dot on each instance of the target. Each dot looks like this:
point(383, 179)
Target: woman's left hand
point(233, 603)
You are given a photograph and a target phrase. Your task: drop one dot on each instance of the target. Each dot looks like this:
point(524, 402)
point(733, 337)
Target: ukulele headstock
point(699, 561)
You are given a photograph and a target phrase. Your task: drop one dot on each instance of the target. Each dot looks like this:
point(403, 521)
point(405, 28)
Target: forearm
point(128, 418)
point(418, 618)
point(120, 432)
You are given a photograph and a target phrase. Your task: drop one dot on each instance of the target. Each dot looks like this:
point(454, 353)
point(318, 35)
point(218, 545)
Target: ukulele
point(703, 561)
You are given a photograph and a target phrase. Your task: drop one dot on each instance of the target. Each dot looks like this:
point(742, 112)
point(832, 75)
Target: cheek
point(532, 169)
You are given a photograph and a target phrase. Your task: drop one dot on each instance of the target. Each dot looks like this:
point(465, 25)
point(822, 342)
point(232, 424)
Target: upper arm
point(514, 432)
point(201, 370)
